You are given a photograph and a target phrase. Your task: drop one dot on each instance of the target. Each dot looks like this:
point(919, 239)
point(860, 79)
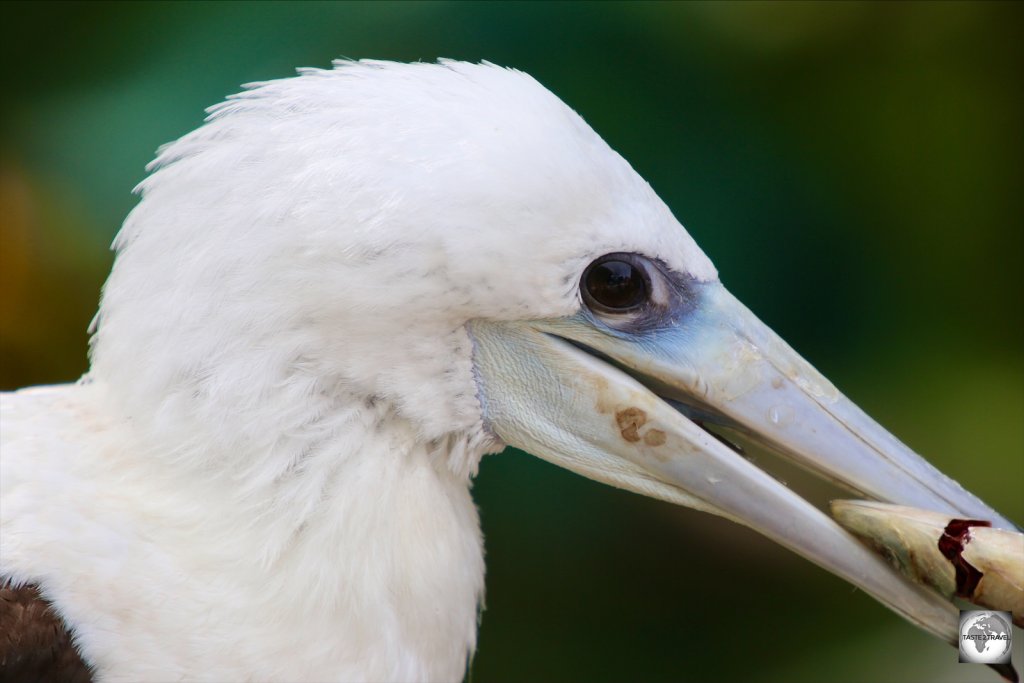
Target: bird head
point(450, 245)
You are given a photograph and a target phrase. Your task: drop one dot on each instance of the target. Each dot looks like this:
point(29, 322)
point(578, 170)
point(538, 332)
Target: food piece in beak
point(956, 557)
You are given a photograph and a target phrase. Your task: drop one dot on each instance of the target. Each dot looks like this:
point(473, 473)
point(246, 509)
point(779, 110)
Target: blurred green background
point(854, 170)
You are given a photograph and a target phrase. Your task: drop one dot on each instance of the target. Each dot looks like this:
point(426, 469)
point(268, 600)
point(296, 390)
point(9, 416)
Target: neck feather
point(356, 531)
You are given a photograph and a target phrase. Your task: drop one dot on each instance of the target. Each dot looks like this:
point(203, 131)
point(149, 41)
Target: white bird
point(333, 299)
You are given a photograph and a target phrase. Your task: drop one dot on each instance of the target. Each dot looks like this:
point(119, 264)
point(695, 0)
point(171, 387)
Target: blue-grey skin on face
point(622, 392)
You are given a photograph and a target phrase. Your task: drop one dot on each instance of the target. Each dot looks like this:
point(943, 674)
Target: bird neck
point(354, 524)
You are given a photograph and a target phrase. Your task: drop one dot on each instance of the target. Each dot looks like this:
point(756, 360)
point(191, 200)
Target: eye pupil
point(616, 285)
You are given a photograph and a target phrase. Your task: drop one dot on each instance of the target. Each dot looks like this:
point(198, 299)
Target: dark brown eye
point(615, 284)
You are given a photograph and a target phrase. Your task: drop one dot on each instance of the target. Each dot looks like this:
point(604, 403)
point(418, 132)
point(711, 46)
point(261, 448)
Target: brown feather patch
point(35, 646)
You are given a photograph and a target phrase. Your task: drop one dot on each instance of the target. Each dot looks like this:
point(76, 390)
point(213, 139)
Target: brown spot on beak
point(630, 421)
point(654, 437)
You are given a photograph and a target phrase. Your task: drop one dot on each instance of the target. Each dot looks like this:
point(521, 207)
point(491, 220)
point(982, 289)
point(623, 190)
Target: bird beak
point(633, 410)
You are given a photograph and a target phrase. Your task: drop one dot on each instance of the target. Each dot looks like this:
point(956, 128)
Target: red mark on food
point(954, 539)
